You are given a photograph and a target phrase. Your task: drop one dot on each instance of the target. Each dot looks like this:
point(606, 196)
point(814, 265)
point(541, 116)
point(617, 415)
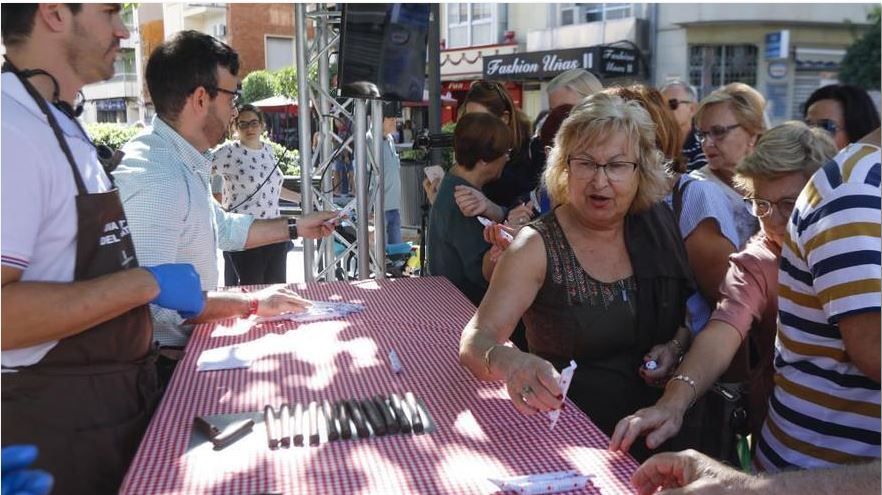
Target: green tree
point(861, 64)
point(258, 85)
point(286, 82)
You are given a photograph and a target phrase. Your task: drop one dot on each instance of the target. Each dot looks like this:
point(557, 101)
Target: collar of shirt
point(198, 163)
point(13, 88)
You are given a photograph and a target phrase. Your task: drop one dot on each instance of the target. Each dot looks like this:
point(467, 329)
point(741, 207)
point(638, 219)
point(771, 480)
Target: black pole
point(434, 79)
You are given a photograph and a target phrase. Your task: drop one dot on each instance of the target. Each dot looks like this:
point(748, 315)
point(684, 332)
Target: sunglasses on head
point(674, 103)
point(826, 124)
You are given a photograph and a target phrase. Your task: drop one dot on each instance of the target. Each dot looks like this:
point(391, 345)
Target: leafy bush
point(290, 164)
point(286, 82)
point(112, 135)
point(258, 85)
point(861, 63)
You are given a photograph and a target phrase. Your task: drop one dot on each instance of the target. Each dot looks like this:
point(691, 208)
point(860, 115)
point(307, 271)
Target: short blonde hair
point(581, 81)
point(790, 147)
point(746, 103)
point(597, 117)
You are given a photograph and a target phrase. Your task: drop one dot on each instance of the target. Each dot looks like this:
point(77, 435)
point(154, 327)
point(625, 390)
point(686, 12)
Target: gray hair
point(579, 80)
point(693, 93)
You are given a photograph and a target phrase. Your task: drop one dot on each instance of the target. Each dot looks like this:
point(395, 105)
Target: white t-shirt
point(244, 170)
point(39, 224)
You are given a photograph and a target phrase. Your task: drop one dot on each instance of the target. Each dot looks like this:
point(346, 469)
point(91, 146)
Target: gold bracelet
point(487, 357)
point(688, 381)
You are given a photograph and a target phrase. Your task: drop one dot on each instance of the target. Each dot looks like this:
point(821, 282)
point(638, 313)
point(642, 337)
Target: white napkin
point(566, 376)
point(533, 484)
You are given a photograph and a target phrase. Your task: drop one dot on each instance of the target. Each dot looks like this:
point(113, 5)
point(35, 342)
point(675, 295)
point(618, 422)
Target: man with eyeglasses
point(683, 102)
point(164, 183)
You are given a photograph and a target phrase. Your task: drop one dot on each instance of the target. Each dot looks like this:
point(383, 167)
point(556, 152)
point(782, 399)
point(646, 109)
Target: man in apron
point(78, 379)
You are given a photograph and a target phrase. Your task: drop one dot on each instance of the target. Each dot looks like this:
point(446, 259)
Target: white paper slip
point(566, 376)
point(486, 222)
point(395, 362)
point(223, 358)
point(434, 172)
point(562, 481)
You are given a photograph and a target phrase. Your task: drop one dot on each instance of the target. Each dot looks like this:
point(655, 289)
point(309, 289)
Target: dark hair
point(552, 123)
point(17, 20)
point(480, 136)
point(858, 109)
point(248, 107)
point(496, 99)
point(181, 65)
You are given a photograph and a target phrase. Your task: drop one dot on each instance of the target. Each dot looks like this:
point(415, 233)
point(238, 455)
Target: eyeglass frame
point(234, 101)
point(674, 103)
point(828, 125)
point(718, 132)
point(597, 165)
point(773, 205)
point(250, 123)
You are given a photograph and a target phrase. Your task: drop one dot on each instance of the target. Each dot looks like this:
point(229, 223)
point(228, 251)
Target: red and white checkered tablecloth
point(479, 433)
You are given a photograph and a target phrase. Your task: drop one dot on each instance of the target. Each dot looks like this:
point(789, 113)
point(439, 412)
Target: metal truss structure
point(318, 153)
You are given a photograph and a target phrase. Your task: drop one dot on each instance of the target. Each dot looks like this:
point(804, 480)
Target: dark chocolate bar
point(272, 428)
point(387, 413)
point(298, 424)
point(205, 427)
point(358, 418)
point(415, 417)
point(285, 416)
point(314, 423)
point(331, 418)
point(232, 432)
point(343, 416)
point(397, 406)
point(374, 417)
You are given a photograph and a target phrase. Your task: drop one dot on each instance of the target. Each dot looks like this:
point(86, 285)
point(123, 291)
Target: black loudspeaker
point(383, 51)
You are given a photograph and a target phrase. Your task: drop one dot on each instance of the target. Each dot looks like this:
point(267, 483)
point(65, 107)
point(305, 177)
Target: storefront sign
point(618, 62)
point(777, 70)
point(778, 44)
point(111, 105)
point(538, 65)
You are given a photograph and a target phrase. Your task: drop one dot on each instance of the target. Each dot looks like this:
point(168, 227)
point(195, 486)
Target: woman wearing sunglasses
point(730, 120)
point(773, 177)
point(253, 186)
point(845, 112)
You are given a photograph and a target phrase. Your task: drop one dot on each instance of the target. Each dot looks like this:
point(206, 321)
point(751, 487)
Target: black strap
point(276, 166)
point(53, 123)
point(677, 199)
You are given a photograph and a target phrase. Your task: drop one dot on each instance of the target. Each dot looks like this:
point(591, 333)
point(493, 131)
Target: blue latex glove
point(179, 288)
point(20, 481)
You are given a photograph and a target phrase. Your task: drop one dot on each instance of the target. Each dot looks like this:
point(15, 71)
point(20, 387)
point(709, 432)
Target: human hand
point(17, 480)
point(500, 237)
point(520, 215)
point(666, 360)
point(179, 288)
point(471, 201)
point(690, 472)
point(431, 188)
point(531, 383)
point(661, 422)
point(317, 225)
point(277, 299)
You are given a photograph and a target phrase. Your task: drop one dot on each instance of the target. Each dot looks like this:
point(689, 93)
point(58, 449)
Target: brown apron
point(87, 403)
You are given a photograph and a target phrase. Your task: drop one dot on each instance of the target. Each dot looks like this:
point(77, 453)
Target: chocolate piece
point(205, 427)
point(232, 433)
point(374, 417)
point(331, 417)
point(314, 423)
point(298, 424)
point(343, 416)
point(285, 415)
point(398, 407)
point(388, 414)
point(415, 418)
point(272, 428)
point(358, 418)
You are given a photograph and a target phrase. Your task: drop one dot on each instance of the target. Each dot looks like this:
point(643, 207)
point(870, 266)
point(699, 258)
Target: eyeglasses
point(236, 95)
point(762, 208)
point(245, 124)
point(826, 124)
point(586, 168)
point(674, 103)
point(718, 132)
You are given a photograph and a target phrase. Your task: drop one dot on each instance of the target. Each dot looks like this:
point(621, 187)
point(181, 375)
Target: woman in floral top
point(252, 186)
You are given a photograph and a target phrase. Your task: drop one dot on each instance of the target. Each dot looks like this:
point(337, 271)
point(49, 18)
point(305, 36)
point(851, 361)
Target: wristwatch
point(292, 228)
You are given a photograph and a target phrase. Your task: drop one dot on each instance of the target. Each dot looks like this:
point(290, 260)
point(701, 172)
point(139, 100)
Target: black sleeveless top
point(607, 328)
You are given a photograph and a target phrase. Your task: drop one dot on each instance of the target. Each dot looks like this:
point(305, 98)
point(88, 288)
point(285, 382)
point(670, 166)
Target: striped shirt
point(164, 185)
point(824, 411)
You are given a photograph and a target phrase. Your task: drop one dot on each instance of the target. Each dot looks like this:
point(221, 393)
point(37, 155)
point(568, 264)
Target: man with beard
point(78, 377)
point(164, 181)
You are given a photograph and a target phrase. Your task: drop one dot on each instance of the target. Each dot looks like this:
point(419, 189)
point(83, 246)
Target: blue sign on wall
point(778, 44)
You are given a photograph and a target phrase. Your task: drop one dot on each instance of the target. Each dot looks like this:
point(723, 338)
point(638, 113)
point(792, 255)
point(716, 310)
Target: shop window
point(712, 66)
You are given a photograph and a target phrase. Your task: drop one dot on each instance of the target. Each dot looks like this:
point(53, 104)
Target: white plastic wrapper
point(486, 222)
point(566, 376)
point(556, 482)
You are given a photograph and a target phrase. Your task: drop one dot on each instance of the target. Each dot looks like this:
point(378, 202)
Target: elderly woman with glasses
point(252, 184)
point(772, 176)
point(599, 280)
point(730, 120)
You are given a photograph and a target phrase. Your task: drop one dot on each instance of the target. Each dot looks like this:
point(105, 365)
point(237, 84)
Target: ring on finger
point(525, 391)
